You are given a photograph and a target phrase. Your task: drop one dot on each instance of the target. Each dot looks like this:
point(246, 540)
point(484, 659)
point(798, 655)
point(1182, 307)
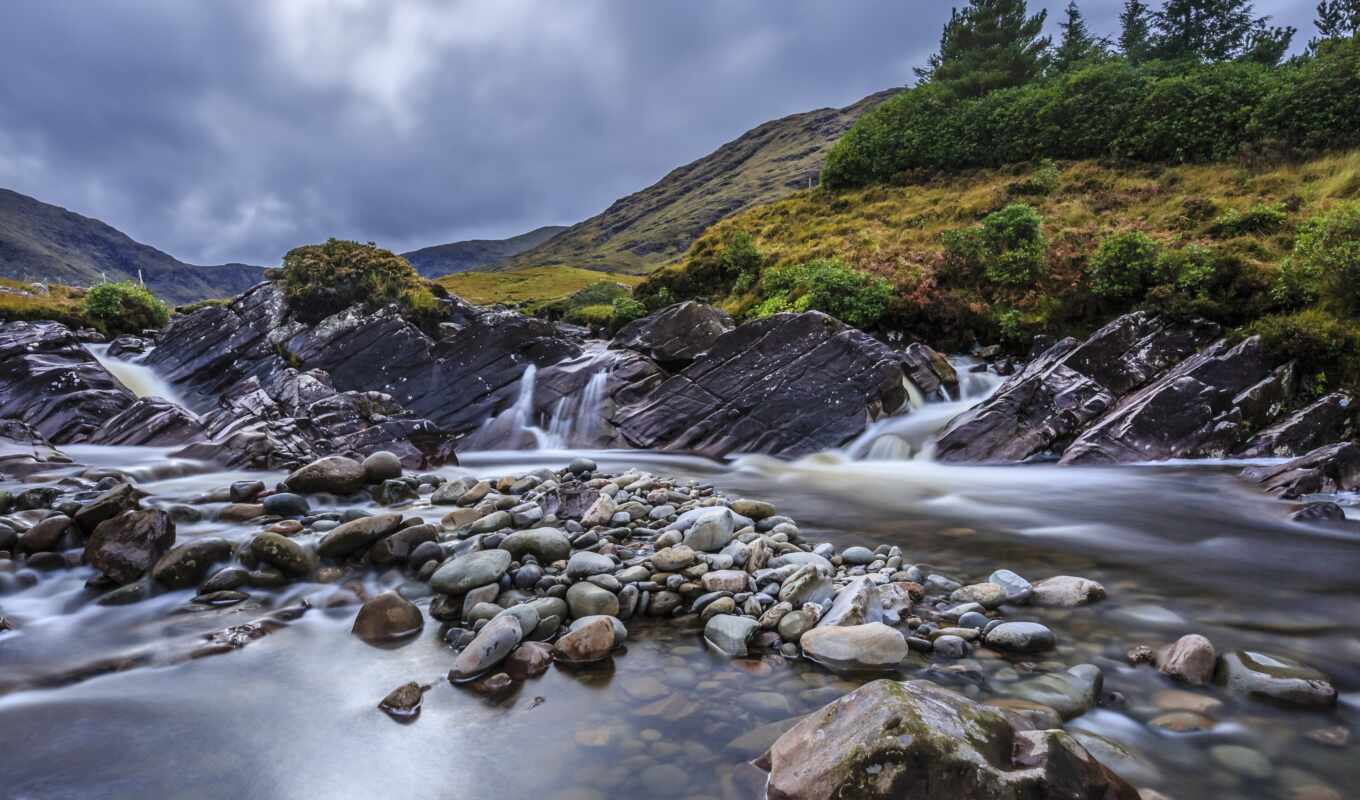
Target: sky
point(233, 130)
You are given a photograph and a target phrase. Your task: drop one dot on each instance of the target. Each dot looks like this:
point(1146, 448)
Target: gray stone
point(545, 544)
point(491, 645)
point(1017, 589)
point(586, 600)
point(382, 466)
point(1066, 591)
point(729, 633)
point(286, 504)
point(1021, 637)
point(1275, 679)
point(470, 571)
point(584, 563)
point(856, 604)
point(870, 646)
point(711, 531)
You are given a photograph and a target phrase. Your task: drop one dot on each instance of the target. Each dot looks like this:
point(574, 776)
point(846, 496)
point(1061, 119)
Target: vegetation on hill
point(647, 229)
point(42, 242)
point(476, 254)
point(21, 301)
point(124, 307)
point(323, 279)
point(527, 289)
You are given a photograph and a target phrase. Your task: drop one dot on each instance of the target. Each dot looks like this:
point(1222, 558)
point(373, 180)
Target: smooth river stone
point(470, 571)
point(587, 600)
point(1021, 637)
point(490, 646)
point(545, 544)
point(729, 633)
point(870, 646)
point(1276, 679)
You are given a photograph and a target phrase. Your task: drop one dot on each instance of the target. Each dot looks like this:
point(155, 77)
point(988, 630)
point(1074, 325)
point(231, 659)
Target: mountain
point(43, 242)
point(474, 254)
point(656, 225)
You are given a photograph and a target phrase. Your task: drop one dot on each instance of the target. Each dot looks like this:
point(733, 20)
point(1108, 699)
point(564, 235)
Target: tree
point(1135, 33)
point(1077, 43)
point(989, 45)
point(1336, 19)
point(1217, 30)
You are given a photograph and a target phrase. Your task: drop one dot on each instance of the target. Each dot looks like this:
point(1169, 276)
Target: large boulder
point(125, 547)
point(890, 740)
point(675, 335)
point(49, 381)
point(1327, 470)
point(150, 421)
point(790, 384)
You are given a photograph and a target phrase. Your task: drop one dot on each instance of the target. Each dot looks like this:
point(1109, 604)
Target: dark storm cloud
point(235, 129)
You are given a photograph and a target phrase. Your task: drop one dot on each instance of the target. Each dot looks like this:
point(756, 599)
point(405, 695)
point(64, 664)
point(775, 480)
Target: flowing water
point(1180, 547)
point(137, 377)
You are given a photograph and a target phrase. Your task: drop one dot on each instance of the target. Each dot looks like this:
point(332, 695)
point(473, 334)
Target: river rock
point(1326, 470)
point(1276, 679)
point(1191, 659)
point(48, 535)
point(870, 646)
point(1066, 591)
point(856, 604)
point(470, 571)
point(282, 552)
point(807, 585)
point(889, 740)
point(988, 595)
point(528, 660)
point(390, 617)
point(126, 546)
point(674, 336)
point(1070, 693)
point(381, 466)
point(403, 703)
point(332, 475)
point(545, 544)
point(1021, 637)
point(491, 645)
point(724, 580)
point(592, 641)
point(357, 534)
point(729, 633)
point(588, 600)
point(584, 563)
point(673, 559)
point(285, 504)
point(711, 531)
point(1015, 588)
point(187, 564)
point(123, 497)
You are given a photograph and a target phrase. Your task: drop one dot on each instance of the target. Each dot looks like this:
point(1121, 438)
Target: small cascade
point(577, 419)
point(140, 379)
point(911, 432)
point(516, 427)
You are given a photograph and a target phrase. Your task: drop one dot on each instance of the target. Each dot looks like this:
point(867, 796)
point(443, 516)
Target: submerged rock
point(1275, 679)
point(403, 703)
point(890, 740)
point(125, 547)
point(388, 617)
point(488, 648)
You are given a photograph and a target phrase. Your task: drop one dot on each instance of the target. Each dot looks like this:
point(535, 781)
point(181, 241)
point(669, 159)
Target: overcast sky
point(232, 130)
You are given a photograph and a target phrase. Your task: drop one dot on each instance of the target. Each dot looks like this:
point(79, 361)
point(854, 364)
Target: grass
point(19, 301)
point(529, 288)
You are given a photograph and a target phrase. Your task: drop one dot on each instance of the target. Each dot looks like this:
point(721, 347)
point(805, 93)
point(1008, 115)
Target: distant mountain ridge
point(656, 225)
point(43, 242)
point(447, 259)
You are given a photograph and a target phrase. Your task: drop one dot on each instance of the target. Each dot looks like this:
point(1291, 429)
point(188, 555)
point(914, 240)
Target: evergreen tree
point(1337, 19)
point(1077, 43)
point(1217, 30)
point(1135, 34)
point(990, 44)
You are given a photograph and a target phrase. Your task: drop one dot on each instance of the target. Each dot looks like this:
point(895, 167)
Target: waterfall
point(577, 419)
point(911, 432)
point(140, 379)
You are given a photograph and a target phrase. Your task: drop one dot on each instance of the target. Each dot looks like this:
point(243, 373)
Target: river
point(1179, 547)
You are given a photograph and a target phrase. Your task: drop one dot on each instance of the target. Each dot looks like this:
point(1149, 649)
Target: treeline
point(1198, 80)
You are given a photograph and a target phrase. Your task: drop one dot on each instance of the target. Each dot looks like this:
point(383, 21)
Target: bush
point(1316, 104)
point(1202, 115)
point(1041, 182)
point(1318, 340)
point(1260, 218)
point(124, 307)
point(324, 279)
point(1124, 266)
point(825, 285)
point(1325, 261)
point(626, 309)
point(1007, 249)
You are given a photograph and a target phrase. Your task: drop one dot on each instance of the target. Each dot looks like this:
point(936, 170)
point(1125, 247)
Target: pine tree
point(1135, 33)
point(1077, 43)
point(1337, 19)
point(990, 44)
point(1217, 30)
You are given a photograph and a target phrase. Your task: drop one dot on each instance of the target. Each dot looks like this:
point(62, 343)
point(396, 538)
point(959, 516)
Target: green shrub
point(1318, 340)
point(1316, 104)
point(626, 309)
point(1039, 183)
point(826, 285)
point(1260, 218)
point(323, 279)
point(1202, 115)
point(124, 307)
point(1124, 266)
point(1327, 255)
point(1007, 250)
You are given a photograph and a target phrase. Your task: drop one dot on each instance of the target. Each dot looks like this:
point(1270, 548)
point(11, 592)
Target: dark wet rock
point(1328, 419)
point(186, 564)
point(1276, 679)
point(1330, 469)
point(916, 739)
point(528, 660)
point(48, 535)
point(930, 371)
point(403, 703)
point(286, 504)
point(399, 546)
point(1021, 637)
point(470, 571)
point(24, 451)
point(590, 642)
point(675, 335)
point(123, 497)
point(50, 382)
point(393, 492)
point(331, 475)
point(389, 617)
point(245, 491)
point(489, 648)
point(355, 535)
point(382, 466)
point(226, 579)
point(126, 546)
point(150, 421)
point(282, 552)
point(225, 597)
point(790, 384)
point(128, 345)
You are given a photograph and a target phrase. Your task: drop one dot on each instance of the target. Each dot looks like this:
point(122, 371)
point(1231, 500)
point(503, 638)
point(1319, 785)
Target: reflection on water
point(1180, 548)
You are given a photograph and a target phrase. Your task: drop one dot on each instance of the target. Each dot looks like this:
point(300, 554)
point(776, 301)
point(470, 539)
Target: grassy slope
point(526, 287)
point(39, 241)
point(21, 301)
point(445, 259)
point(894, 231)
point(645, 230)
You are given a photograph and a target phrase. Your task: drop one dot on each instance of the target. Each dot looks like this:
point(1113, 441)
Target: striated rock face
point(50, 382)
point(1330, 469)
point(676, 335)
point(24, 451)
point(1143, 388)
point(150, 421)
point(790, 384)
point(889, 739)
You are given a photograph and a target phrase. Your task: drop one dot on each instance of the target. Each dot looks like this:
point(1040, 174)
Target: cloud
point(226, 130)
